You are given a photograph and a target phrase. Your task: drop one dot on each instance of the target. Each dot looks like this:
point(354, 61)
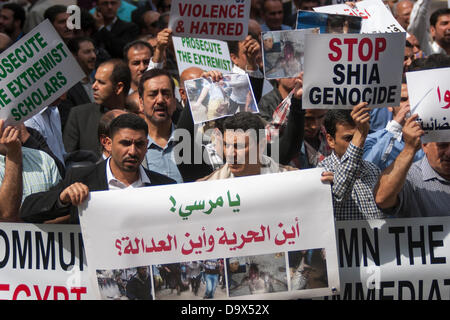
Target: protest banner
point(210, 100)
point(206, 54)
point(223, 222)
point(394, 259)
point(283, 52)
point(342, 70)
point(42, 262)
point(376, 18)
point(210, 19)
point(34, 72)
point(328, 23)
point(429, 97)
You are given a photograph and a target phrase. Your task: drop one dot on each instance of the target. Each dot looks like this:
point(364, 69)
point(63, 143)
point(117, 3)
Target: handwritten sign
point(223, 20)
point(34, 72)
point(206, 54)
point(376, 18)
point(220, 219)
point(429, 97)
point(342, 70)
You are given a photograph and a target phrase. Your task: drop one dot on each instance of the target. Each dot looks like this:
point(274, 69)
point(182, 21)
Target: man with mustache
point(422, 188)
point(84, 51)
point(157, 98)
point(111, 85)
point(128, 144)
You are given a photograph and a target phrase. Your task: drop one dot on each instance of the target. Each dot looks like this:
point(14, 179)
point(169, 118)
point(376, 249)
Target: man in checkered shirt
point(354, 178)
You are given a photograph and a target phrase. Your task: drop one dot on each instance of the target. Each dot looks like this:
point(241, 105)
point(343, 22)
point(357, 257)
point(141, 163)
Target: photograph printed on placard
point(259, 274)
point(307, 269)
point(283, 52)
point(125, 284)
point(192, 280)
point(212, 100)
point(328, 23)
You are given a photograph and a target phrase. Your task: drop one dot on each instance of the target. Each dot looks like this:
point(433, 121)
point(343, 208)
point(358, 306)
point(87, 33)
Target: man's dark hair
point(104, 123)
point(436, 14)
point(153, 73)
point(244, 121)
point(408, 44)
point(138, 44)
point(74, 43)
point(120, 73)
point(334, 117)
point(19, 12)
point(433, 61)
point(53, 11)
point(127, 121)
point(233, 47)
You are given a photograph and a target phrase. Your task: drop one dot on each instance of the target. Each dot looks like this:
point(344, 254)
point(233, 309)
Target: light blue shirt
point(48, 123)
point(162, 160)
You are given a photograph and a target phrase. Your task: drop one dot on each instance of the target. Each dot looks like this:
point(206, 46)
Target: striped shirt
point(39, 173)
point(424, 194)
point(353, 184)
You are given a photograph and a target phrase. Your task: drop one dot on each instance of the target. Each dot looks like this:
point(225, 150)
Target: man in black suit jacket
point(111, 86)
point(84, 51)
point(112, 33)
point(128, 141)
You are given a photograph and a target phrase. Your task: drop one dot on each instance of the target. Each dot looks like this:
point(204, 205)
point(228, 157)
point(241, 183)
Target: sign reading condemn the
point(224, 20)
point(34, 72)
point(342, 70)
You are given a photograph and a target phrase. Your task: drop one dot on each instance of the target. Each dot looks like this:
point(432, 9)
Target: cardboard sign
point(207, 19)
point(34, 72)
point(283, 53)
point(219, 222)
point(343, 70)
point(376, 18)
point(328, 23)
point(206, 54)
point(429, 97)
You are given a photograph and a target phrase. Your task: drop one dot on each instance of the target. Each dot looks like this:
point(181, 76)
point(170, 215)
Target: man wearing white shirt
point(128, 142)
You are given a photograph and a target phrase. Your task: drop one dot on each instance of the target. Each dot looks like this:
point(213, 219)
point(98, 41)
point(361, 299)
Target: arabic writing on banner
point(429, 97)
point(42, 262)
point(346, 69)
point(376, 18)
point(223, 20)
point(394, 259)
point(206, 54)
point(221, 223)
point(34, 72)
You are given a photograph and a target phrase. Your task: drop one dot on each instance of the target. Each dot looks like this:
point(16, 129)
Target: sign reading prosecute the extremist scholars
point(346, 69)
point(34, 72)
point(210, 19)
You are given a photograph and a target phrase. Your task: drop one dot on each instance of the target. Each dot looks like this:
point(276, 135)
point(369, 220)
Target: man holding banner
point(128, 142)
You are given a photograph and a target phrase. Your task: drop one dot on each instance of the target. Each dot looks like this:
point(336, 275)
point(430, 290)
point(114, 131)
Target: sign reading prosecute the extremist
point(34, 72)
point(346, 69)
point(210, 19)
point(206, 54)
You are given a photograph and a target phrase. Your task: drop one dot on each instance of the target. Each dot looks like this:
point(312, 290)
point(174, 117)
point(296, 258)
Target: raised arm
point(11, 188)
point(393, 177)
